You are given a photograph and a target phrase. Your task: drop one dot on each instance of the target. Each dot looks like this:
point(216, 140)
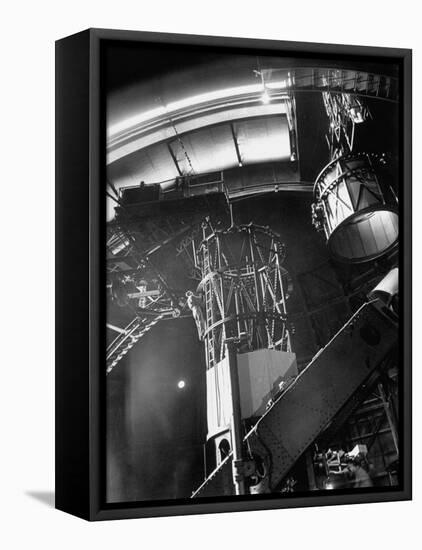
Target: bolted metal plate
point(308, 405)
point(321, 390)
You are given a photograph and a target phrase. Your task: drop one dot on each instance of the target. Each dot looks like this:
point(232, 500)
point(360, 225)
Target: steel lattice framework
point(243, 289)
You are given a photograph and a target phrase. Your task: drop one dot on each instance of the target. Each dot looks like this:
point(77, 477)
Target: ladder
point(127, 339)
point(209, 310)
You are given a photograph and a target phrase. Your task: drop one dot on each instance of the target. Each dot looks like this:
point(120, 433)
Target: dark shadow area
point(45, 497)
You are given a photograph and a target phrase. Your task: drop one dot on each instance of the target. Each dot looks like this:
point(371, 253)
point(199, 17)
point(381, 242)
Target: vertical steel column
point(390, 416)
point(312, 486)
point(236, 418)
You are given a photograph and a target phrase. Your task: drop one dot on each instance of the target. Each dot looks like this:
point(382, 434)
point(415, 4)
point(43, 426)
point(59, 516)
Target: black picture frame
point(80, 308)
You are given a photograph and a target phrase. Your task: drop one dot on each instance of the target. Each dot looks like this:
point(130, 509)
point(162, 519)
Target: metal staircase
point(127, 339)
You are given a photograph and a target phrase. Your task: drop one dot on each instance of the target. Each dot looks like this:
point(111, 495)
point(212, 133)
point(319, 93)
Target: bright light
point(278, 85)
point(265, 98)
point(181, 384)
point(192, 101)
point(138, 119)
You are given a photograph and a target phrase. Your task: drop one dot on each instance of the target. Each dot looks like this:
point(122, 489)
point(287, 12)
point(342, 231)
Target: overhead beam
point(116, 329)
point(141, 137)
point(173, 156)
point(236, 144)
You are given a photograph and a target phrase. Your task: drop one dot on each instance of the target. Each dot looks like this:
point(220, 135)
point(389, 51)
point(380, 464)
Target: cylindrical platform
point(240, 304)
point(356, 209)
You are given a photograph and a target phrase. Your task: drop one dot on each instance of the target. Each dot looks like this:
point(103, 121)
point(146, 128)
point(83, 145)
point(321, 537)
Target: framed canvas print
point(233, 274)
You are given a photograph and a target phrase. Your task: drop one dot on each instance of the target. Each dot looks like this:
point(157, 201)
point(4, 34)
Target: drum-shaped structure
point(244, 289)
point(241, 299)
point(356, 209)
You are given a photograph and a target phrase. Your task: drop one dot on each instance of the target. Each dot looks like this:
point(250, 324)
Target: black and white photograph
point(211, 306)
point(252, 274)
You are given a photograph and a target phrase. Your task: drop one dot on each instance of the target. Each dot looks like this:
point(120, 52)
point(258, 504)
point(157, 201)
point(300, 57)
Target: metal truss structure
point(239, 304)
point(141, 241)
point(137, 283)
point(344, 111)
point(355, 358)
point(243, 289)
point(343, 93)
point(374, 424)
point(128, 337)
point(333, 80)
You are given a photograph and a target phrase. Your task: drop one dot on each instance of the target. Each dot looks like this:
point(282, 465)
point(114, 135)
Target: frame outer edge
point(96, 512)
point(407, 272)
point(72, 338)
